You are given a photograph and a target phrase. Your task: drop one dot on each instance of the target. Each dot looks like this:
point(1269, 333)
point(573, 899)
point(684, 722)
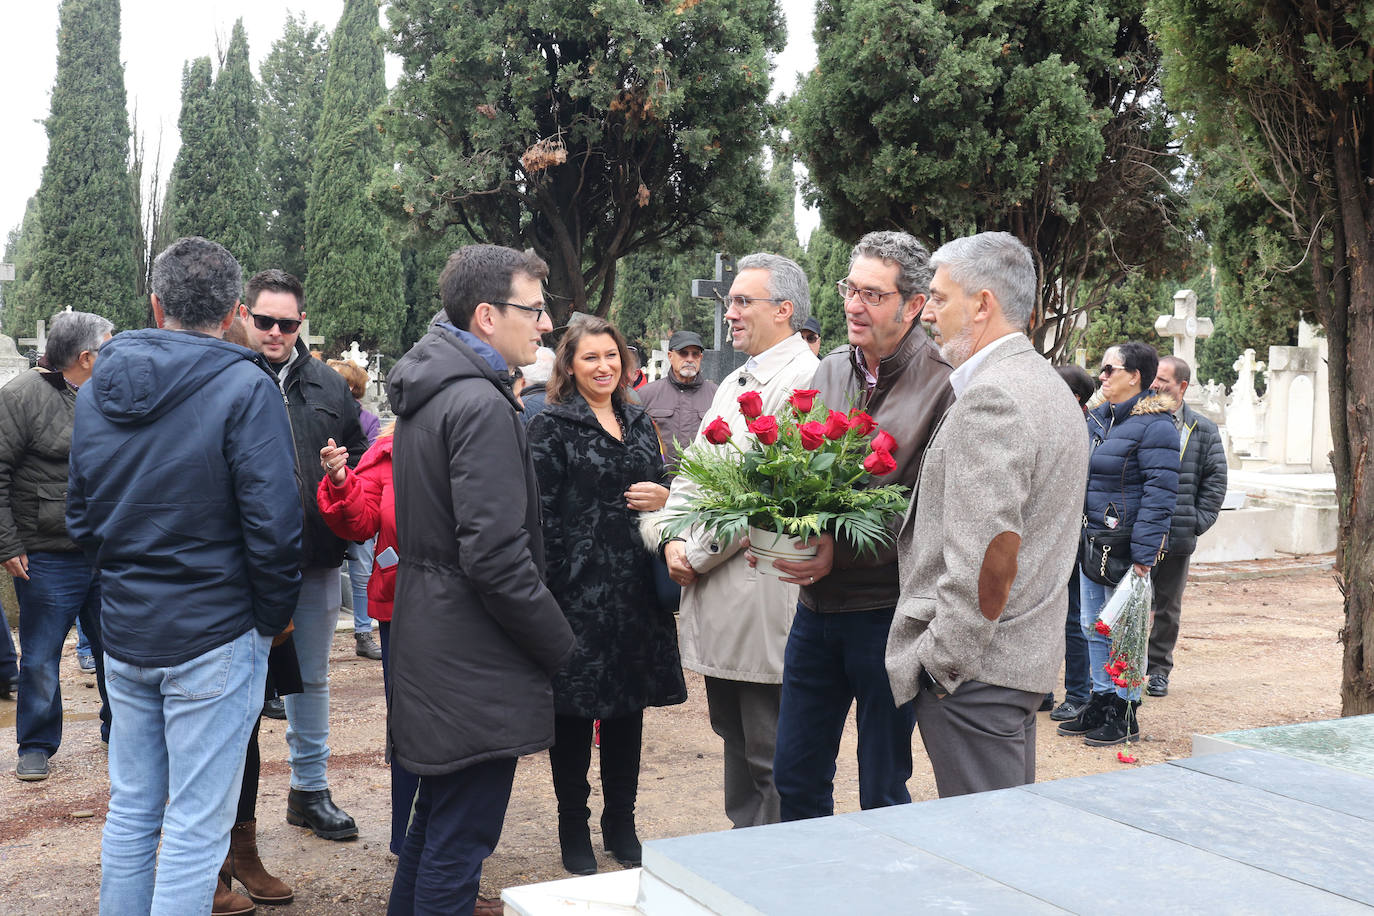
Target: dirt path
point(1259, 647)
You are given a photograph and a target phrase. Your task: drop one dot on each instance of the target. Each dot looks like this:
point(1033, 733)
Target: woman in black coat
point(598, 462)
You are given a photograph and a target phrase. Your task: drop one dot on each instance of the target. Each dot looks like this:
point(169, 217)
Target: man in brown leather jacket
point(834, 656)
point(678, 401)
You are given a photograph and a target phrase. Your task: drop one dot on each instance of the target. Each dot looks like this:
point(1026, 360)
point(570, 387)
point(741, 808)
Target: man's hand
point(18, 566)
point(809, 572)
point(679, 570)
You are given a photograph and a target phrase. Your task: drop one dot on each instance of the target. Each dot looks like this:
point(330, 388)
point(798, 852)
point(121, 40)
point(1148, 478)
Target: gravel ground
point(1259, 647)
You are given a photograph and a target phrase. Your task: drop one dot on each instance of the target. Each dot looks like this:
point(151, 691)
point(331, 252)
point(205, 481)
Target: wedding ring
point(810, 580)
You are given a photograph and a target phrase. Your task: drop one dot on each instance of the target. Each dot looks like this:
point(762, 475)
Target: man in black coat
point(1201, 489)
point(321, 408)
point(476, 636)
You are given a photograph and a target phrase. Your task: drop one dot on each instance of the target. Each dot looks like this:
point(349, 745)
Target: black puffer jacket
point(1201, 480)
point(1133, 472)
point(475, 635)
point(35, 437)
point(321, 408)
point(599, 569)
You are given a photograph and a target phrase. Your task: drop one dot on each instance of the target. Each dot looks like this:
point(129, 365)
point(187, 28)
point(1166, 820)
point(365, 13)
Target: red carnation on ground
point(750, 404)
point(883, 442)
point(862, 422)
point(812, 435)
point(802, 399)
point(879, 463)
point(765, 429)
point(718, 433)
point(836, 425)
point(1127, 758)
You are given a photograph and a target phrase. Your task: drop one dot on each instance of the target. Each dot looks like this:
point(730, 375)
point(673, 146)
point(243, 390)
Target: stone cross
point(312, 341)
point(717, 288)
point(39, 341)
point(1184, 327)
point(355, 356)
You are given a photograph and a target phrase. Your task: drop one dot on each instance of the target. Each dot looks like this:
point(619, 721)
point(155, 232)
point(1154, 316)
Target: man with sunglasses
point(321, 408)
point(834, 657)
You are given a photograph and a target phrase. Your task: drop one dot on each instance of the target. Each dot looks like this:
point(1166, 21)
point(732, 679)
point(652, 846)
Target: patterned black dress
point(597, 567)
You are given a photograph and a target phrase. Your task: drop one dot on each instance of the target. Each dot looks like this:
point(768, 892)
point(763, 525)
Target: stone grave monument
point(1186, 329)
point(722, 358)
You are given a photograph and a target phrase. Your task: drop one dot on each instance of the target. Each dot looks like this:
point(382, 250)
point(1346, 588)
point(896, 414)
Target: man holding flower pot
point(733, 619)
point(895, 378)
point(987, 547)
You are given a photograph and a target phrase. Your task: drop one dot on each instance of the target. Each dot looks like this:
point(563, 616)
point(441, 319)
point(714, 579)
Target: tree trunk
point(1352, 304)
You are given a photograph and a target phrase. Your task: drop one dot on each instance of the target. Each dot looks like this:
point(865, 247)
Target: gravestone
point(1243, 411)
point(11, 363)
point(722, 358)
point(1290, 425)
point(1186, 329)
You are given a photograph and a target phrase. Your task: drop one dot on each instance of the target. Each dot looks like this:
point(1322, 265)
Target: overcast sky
point(158, 36)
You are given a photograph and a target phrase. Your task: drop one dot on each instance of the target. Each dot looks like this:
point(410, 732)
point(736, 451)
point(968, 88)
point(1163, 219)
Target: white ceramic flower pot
point(768, 546)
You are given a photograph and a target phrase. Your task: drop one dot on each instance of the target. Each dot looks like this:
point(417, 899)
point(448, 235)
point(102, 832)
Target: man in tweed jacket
point(986, 548)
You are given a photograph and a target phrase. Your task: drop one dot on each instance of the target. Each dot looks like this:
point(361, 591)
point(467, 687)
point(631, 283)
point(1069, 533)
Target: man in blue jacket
point(176, 494)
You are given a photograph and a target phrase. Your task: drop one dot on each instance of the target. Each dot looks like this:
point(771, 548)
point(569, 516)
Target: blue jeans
point(359, 572)
point(458, 819)
point(83, 645)
point(1093, 597)
point(61, 587)
point(403, 782)
point(307, 713)
point(9, 659)
point(831, 661)
point(1077, 679)
point(176, 764)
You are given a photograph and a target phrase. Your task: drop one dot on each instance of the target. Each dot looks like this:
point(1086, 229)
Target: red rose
point(862, 422)
point(1119, 681)
point(802, 399)
point(812, 435)
point(765, 429)
point(750, 404)
point(883, 442)
point(718, 433)
point(836, 426)
point(880, 463)
point(1102, 628)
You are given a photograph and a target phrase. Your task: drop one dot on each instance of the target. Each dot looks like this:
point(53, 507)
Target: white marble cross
point(1184, 327)
point(355, 356)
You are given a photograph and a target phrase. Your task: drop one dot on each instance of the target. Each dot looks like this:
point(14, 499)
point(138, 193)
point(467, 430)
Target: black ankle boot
point(1091, 716)
point(621, 840)
point(1119, 727)
point(575, 843)
point(317, 811)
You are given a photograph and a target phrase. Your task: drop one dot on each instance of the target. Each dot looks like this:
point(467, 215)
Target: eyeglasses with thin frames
point(537, 309)
point(866, 296)
point(740, 302)
point(265, 322)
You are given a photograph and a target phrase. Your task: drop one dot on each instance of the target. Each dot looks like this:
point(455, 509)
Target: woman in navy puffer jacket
point(1132, 486)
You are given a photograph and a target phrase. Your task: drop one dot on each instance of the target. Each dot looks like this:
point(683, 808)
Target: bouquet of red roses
point(801, 472)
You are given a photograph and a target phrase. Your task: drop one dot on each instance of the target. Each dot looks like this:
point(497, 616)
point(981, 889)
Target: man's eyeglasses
point(265, 322)
point(866, 296)
point(537, 309)
point(740, 302)
point(1108, 369)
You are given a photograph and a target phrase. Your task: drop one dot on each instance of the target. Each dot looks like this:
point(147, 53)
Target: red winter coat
point(366, 505)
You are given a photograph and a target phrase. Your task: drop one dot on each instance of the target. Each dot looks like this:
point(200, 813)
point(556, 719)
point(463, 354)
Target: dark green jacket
point(35, 437)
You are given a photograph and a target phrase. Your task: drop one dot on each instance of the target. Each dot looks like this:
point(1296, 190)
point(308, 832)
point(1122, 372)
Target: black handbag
point(1106, 555)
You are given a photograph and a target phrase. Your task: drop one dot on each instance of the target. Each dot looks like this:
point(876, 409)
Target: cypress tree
point(19, 310)
point(355, 290)
point(189, 192)
point(236, 200)
point(87, 220)
point(291, 95)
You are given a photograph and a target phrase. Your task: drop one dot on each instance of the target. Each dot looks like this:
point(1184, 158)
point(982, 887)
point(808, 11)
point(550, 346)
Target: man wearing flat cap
point(678, 402)
point(811, 333)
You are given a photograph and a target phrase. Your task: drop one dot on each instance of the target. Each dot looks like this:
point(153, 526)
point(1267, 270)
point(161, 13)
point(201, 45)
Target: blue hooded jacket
point(1133, 471)
point(182, 491)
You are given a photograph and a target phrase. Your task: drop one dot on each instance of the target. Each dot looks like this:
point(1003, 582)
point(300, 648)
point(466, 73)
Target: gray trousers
point(980, 737)
point(745, 715)
point(1169, 578)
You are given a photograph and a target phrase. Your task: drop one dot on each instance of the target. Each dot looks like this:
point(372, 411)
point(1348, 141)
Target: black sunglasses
point(1108, 369)
point(265, 322)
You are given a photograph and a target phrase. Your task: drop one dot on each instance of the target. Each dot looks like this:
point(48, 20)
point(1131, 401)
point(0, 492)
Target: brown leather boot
point(243, 863)
point(228, 903)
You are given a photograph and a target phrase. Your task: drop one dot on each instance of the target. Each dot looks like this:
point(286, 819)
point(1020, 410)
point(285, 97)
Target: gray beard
point(957, 351)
